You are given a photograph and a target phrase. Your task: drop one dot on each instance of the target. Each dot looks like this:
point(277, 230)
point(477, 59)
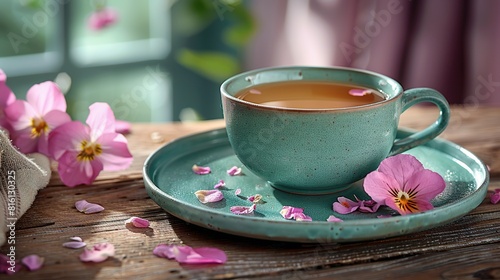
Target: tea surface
point(309, 95)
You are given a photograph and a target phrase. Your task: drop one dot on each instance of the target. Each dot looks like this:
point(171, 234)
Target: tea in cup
point(314, 130)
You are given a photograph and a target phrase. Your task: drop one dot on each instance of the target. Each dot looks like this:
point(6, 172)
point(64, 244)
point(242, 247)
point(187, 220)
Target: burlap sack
point(21, 178)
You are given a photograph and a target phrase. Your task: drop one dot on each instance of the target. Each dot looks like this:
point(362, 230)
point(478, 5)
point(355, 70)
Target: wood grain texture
point(468, 248)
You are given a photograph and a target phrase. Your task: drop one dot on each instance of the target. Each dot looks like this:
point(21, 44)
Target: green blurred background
point(162, 60)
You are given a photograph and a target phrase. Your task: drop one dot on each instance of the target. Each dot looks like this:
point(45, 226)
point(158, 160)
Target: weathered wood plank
point(465, 248)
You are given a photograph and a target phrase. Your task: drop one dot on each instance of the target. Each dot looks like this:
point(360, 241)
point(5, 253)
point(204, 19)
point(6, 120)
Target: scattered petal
point(255, 198)
point(289, 212)
point(74, 244)
point(33, 262)
point(345, 205)
point(237, 192)
point(495, 197)
point(243, 210)
point(205, 196)
point(368, 206)
point(88, 208)
point(234, 171)
point(334, 219)
point(359, 92)
point(220, 184)
point(201, 170)
point(98, 253)
point(189, 255)
point(302, 217)
point(138, 222)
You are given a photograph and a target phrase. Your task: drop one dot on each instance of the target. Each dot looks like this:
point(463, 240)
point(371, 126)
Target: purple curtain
point(450, 45)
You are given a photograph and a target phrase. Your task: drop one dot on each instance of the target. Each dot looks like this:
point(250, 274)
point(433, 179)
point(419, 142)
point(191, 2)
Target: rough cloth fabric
point(21, 176)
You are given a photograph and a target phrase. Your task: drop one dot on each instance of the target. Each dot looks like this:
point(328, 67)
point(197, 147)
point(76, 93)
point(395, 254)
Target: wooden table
point(469, 247)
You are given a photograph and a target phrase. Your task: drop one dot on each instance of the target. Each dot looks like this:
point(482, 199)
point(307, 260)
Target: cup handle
point(411, 97)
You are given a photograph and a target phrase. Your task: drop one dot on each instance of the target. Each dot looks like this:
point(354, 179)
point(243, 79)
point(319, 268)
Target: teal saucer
point(171, 183)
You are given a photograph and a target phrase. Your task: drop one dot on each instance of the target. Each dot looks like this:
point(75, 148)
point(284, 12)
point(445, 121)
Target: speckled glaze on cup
point(319, 151)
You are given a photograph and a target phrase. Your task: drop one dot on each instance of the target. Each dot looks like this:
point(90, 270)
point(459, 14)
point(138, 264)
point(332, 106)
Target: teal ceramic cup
point(319, 151)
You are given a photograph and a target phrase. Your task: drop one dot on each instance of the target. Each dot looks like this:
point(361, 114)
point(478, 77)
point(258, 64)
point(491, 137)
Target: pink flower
point(138, 222)
point(98, 253)
point(201, 170)
point(345, 205)
point(189, 255)
point(32, 120)
point(402, 183)
point(243, 210)
point(495, 197)
point(33, 262)
point(102, 18)
point(88, 208)
point(7, 97)
point(205, 196)
point(84, 151)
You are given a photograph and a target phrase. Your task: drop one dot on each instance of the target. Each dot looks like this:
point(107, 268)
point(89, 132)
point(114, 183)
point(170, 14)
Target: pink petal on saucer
point(201, 170)
point(256, 198)
point(205, 196)
point(234, 171)
point(220, 184)
point(334, 219)
point(243, 210)
point(237, 192)
point(289, 212)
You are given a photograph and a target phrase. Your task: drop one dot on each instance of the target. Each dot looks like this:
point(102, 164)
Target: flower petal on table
point(205, 196)
point(189, 255)
point(138, 222)
point(74, 244)
point(33, 262)
point(88, 208)
point(495, 196)
point(98, 253)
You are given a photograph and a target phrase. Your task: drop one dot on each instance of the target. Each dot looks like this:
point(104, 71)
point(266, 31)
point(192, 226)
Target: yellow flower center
point(406, 201)
point(38, 127)
point(88, 151)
